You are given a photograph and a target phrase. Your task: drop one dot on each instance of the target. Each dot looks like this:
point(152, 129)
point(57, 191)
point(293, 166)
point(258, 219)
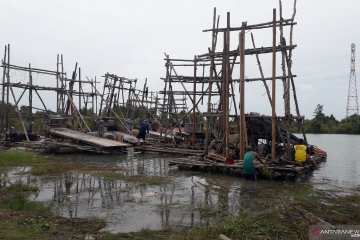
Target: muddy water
point(188, 198)
point(342, 168)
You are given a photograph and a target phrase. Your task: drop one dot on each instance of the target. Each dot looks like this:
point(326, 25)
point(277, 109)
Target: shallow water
point(342, 168)
point(188, 198)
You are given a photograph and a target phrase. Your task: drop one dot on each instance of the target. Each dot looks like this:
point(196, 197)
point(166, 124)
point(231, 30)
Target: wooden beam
point(242, 94)
point(273, 97)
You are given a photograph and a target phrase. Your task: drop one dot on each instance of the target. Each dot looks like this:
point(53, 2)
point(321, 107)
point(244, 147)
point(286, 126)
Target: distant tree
point(332, 118)
point(318, 112)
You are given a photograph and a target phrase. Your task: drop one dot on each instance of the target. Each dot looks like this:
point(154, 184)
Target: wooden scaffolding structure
point(218, 96)
point(72, 101)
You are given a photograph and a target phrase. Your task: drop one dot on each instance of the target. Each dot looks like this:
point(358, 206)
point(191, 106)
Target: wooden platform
point(87, 139)
point(170, 150)
point(284, 171)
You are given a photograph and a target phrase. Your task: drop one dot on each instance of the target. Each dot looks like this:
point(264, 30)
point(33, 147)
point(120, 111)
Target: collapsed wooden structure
point(215, 85)
point(200, 113)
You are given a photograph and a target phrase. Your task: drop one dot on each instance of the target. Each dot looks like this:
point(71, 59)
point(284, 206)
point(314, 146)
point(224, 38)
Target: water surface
point(188, 198)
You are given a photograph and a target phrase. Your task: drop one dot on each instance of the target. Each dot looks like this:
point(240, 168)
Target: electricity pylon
point(352, 106)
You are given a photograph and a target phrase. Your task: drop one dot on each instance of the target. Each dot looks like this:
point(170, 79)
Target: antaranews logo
point(317, 232)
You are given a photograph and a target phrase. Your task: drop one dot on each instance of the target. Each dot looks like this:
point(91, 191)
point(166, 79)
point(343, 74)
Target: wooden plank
point(92, 140)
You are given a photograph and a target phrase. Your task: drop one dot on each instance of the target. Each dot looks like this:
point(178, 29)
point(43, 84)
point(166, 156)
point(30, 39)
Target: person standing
point(248, 170)
point(30, 128)
point(144, 128)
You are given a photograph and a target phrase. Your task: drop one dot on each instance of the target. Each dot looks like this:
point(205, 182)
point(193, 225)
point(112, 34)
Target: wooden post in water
point(273, 115)
point(226, 74)
point(242, 93)
point(194, 101)
point(209, 118)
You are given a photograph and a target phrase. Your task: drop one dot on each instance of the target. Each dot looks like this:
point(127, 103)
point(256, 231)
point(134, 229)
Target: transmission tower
point(352, 101)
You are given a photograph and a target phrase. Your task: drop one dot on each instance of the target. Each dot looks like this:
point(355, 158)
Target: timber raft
point(288, 171)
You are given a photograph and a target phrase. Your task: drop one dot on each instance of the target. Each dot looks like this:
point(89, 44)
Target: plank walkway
point(170, 150)
point(88, 139)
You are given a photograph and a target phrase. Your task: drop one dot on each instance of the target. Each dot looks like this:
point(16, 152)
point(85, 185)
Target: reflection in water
point(185, 200)
point(188, 198)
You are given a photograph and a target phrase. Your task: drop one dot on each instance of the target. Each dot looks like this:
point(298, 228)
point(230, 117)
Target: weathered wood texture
point(83, 137)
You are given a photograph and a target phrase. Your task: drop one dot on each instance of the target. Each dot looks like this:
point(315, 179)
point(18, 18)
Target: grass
point(266, 226)
point(19, 158)
point(21, 219)
point(44, 165)
point(137, 179)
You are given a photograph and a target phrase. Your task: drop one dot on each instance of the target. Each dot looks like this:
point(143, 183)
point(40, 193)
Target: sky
point(129, 38)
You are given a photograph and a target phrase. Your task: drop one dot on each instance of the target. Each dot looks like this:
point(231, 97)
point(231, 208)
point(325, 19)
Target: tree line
point(322, 123)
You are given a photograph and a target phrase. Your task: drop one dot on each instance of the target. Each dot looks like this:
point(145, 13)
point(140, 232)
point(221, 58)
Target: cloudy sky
point(129, 38)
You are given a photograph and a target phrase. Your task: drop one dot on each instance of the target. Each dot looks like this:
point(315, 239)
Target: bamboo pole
point(57, 83)
point(226, 74)
point(80, 89)
point(286, 85)
point(40, 99)
point(209, 119)
point(30, 92)
point(4, 77)
point(286, 22)
point(194, 102)
point(273, 106)
point(62, 85)
point(7, 88)
point(261, 71)
point(242, 94)
point(19, 114)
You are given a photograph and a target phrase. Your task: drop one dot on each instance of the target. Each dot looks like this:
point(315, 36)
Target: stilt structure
point(213, 87)
point(20, 81)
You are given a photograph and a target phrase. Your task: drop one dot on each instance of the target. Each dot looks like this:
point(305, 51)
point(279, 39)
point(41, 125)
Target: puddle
point(187, 199)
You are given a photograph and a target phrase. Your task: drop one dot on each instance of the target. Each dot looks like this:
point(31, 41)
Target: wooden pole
point(4, 77)
point(62, 85)
point(261, 71)
point(212, 66)
point(7, 87)
point(41, 99)
point(163, 115)
point(57, 83)
point(273, 115)
point(226, 74)
point(19, 114)
point(80, 89)
point(194, 102)
point(30, 92)
point(242, 93)
point(8, 76)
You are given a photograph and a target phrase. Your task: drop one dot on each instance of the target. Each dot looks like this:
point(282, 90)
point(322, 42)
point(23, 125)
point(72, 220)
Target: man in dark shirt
point(144, 128)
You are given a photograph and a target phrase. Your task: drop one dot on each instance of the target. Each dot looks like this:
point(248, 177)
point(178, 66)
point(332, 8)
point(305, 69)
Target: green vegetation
point(22, 219)
point(137, 179)
point(18, 158)
point(43, 165)
point(328, 124)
